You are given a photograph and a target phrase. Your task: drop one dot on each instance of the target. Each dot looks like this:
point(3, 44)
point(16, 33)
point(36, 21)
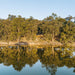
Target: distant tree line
point(51, 28)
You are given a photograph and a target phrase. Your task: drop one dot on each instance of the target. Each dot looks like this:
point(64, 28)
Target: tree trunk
point(18, 39)
point(53, 36)
point(18, 49)
point(53, 50)
point(18, 35)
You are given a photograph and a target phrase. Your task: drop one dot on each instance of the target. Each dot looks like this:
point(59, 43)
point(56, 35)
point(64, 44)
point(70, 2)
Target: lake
point(21, 60)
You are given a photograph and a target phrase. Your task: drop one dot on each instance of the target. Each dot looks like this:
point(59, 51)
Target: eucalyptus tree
point(17, 27)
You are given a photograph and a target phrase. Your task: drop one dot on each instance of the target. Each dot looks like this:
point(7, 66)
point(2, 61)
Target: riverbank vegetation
point(49, 29)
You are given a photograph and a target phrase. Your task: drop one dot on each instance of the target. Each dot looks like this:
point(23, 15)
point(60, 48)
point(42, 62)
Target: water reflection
point(50, 57)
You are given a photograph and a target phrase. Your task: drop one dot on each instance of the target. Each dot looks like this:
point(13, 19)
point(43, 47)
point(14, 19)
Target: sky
point(39, 9)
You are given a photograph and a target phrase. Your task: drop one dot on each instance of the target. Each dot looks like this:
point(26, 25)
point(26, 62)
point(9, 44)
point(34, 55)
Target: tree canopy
point(51, 28)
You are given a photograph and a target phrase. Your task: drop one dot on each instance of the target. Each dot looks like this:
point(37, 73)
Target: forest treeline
point(50, 28)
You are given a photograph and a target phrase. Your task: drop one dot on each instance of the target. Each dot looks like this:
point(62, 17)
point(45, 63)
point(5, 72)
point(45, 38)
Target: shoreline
point(32, 43)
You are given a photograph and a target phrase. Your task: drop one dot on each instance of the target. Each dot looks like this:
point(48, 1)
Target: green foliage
point(52, 28)
point(68, 32)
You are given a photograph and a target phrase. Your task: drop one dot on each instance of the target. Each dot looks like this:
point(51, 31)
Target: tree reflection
point(60, 58)
point(50, 57)
point(18, 57)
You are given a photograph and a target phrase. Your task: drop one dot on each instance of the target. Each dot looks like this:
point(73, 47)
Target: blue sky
point(39, 9)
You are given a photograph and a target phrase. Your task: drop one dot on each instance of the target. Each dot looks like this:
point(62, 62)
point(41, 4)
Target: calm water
point(37, 61)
